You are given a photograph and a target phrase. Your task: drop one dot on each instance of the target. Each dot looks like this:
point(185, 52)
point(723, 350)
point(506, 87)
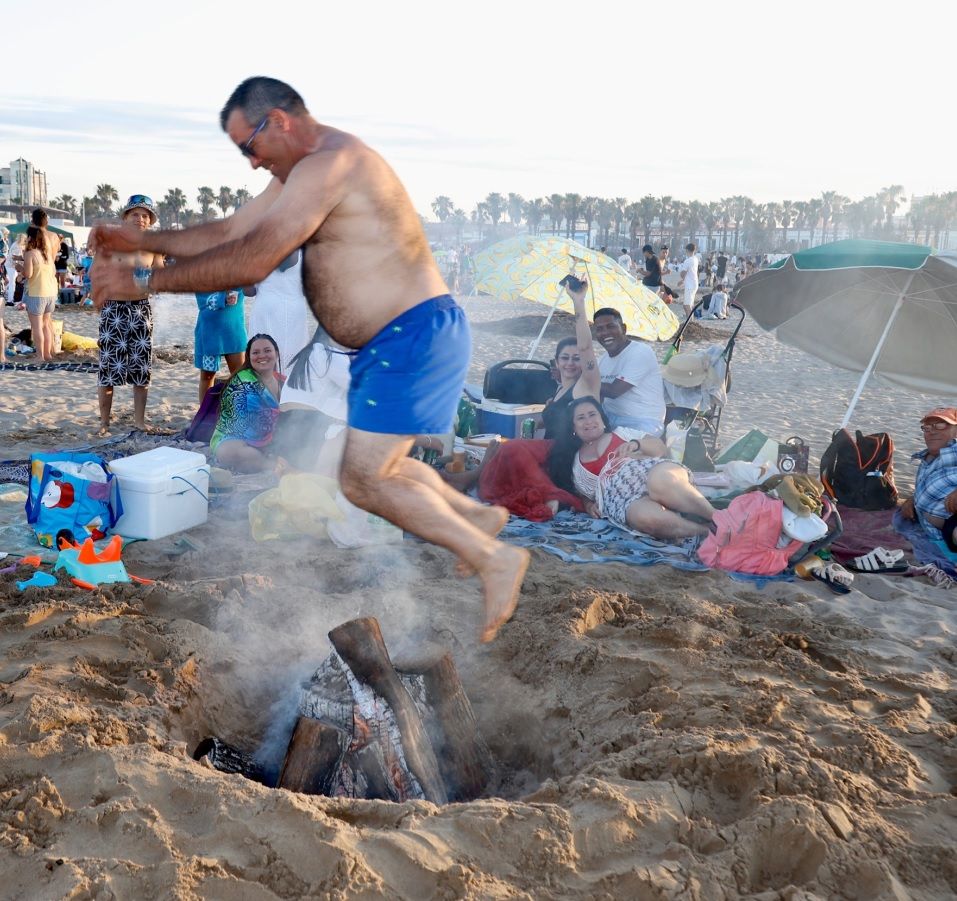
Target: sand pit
point(655, 733)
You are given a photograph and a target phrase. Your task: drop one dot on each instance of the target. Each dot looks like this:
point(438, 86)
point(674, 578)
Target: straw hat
point(685, 370)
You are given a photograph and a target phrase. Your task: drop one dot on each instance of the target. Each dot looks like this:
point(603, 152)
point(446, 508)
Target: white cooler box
point(163, 491)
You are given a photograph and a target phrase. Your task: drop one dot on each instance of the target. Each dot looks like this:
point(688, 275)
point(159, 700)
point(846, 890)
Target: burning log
point(464, 758)
point(360, 644)
point(313, 758)
point(228, 759)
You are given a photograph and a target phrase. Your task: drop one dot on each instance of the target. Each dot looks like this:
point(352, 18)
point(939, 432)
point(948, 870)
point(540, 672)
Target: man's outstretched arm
point(312, 191)
point(190, 241)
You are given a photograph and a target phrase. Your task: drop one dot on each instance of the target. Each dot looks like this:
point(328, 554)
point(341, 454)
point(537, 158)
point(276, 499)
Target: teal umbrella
point(867, 306)
point(20, 228)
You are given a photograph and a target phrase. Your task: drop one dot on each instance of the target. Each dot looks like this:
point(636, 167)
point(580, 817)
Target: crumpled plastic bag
point(300, 505)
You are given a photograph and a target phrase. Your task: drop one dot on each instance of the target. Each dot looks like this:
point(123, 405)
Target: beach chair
point(700, 408)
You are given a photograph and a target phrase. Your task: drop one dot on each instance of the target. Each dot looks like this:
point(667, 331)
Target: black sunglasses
point(246, 148)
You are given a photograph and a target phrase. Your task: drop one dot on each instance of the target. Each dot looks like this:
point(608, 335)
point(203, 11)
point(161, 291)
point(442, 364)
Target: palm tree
point(813, 209)
point(534, 211)
point(890, 198)
point(105, 197)
point(696, 212)
point(649, 211)
point(67, 203)
point(480, 216)
point(241, 198)
point(618, 205)
point(665, 213)
point(205, 198)
point(495, 205)
point(225, 200)
point(726, 205)
point(573, 204)
point(458, 219)
point(711, 216)
point(163, 214)
point(89, 209)
point(556, 210)
point(770, 216)
point(789, 213)
point(175, 199)
point(589, 211)
point(632, 215)
point(516, 208)
point(442, 206)
point(605, 215)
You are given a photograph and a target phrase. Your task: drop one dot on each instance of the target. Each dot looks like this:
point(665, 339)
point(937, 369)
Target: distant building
point(22, 183)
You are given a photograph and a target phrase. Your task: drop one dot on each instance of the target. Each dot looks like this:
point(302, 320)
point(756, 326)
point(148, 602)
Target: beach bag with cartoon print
point(71, 492)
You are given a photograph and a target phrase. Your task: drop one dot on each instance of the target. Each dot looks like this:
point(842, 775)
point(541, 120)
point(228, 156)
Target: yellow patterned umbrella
point(531, 267)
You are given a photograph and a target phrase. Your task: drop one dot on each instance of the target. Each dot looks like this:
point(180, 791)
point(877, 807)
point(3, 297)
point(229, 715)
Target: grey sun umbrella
point(867, 306)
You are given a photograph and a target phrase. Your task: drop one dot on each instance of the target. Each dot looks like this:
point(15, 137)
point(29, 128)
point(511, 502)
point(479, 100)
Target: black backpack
point(860, 472)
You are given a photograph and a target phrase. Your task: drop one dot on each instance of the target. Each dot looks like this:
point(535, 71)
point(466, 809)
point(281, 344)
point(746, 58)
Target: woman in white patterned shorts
point(630, 482)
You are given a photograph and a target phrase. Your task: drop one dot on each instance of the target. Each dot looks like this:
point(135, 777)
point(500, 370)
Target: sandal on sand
point(939, 578)
point(835, 577)
point(879, 560)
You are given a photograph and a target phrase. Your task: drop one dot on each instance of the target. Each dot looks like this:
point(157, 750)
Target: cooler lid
point(160, 463)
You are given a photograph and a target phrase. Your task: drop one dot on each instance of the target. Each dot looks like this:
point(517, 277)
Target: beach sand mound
point(657, 734)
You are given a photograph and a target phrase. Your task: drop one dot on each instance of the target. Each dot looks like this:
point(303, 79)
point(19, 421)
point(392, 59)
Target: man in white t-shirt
point(688, 277)
point(626, 262)
point(631, 390)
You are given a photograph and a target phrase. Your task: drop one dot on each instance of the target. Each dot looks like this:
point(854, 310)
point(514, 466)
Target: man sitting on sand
point(631, 390)
point(371, 279)
point(934, 504)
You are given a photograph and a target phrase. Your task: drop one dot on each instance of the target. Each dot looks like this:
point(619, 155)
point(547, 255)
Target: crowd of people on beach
point(363, 408)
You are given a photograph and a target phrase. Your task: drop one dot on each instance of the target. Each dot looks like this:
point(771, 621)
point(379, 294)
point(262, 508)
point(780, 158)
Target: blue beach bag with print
point(73, 492)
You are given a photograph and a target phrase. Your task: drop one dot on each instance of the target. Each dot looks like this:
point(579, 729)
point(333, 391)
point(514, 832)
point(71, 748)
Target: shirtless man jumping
point(371, 280)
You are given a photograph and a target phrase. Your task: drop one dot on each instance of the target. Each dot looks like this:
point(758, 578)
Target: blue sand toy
point(38, 580)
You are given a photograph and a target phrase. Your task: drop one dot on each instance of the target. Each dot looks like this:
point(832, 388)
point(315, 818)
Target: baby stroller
point(695, 393)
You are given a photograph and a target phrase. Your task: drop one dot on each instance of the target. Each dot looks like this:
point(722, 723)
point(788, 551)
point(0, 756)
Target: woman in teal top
point(220, 332)
point(248, 409)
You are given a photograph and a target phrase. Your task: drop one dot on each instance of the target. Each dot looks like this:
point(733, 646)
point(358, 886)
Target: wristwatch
point(141, 278)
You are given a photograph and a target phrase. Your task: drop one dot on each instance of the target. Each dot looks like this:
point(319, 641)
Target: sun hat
point(685, 370)
point(947, 414)
point(140, 202)
point(806, 527)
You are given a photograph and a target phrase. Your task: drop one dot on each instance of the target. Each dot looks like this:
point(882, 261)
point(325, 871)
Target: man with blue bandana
point(371, 280)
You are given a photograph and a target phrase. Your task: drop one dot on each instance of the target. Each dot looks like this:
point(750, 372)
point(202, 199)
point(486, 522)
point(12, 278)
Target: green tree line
point(173, 209)
point(735, 223)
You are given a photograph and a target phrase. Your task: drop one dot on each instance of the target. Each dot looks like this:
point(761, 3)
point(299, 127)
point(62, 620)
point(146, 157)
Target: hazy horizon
point(533, 99)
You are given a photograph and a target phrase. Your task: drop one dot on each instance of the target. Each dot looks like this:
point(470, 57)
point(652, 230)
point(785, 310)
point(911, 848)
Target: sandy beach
point(656, 733)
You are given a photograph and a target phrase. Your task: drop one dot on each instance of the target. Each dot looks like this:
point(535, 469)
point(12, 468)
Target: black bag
point(531, 385)
point(860, 472)
point(793, 456)
point(696, 456)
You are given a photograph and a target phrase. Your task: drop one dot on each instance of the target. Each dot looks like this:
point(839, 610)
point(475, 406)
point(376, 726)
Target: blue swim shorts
point(408, 379)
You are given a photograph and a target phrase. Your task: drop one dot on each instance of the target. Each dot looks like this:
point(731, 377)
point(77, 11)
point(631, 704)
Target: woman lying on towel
point(514, 474)
point(248, 409)
point(631, 483)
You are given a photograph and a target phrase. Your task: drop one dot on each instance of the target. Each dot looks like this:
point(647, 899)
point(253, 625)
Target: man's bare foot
point(103, 432)
point(502, 581)
point(491, 520)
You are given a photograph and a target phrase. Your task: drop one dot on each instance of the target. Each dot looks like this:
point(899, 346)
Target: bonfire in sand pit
point(368, 730)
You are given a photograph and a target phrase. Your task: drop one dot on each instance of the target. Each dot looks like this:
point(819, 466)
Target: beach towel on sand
point(926, 549)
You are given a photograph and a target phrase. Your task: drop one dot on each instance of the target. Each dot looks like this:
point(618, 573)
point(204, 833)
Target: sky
point(696, 100)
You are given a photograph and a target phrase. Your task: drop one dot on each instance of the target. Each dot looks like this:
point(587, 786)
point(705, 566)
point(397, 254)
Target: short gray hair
point(256, 96)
